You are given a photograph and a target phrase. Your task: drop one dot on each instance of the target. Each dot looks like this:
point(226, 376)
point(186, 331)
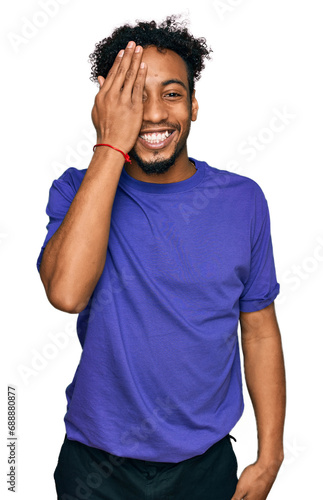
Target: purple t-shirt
point(160, 377)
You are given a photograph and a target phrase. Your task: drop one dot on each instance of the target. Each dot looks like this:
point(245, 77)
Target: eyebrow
point(174, 80)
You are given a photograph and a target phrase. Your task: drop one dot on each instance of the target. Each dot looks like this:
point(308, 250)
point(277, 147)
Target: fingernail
point(121, 53)
point(130, 45)
point(138, 48)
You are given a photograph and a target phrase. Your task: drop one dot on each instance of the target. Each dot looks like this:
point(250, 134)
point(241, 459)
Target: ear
point(194, 107)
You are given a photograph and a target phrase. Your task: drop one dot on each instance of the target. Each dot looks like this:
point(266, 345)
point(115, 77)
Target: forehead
point(163, 66)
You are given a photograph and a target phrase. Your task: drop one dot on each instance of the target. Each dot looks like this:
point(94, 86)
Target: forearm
point(74, 257)
point(265, 378)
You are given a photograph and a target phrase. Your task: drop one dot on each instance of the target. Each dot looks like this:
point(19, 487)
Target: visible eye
point(173, 94)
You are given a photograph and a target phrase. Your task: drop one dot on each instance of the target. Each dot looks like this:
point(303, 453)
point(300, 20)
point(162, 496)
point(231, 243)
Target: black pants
point(84, 472)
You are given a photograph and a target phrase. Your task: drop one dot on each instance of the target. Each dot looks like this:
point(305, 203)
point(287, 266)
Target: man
point(161, 257)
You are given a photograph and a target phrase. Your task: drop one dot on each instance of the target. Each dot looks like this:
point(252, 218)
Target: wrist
point(126, 156)
point(271, 461)
point(115, 142)
point(109, 153)
point(270, 445)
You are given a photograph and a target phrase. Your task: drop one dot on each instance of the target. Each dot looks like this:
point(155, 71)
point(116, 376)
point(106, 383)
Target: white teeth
point(155, 138)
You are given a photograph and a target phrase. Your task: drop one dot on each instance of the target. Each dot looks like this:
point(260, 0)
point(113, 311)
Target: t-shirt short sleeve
point(61, 195)
point(261, 287)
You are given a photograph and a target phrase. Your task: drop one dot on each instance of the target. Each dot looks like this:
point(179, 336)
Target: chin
point(159, 165)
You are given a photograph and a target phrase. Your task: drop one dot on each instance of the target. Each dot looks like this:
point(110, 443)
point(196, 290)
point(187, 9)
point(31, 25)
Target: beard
point(157, 166)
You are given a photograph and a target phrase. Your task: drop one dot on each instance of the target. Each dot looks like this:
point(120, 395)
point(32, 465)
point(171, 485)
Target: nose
point(155, 110)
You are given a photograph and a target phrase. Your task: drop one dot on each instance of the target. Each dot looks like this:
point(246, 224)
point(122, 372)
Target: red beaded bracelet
point(126, 157)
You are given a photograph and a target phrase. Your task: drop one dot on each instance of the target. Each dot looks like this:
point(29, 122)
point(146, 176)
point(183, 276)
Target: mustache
point(160, 125)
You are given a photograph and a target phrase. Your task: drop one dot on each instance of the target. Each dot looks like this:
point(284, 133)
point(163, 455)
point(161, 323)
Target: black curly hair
point(170, 34)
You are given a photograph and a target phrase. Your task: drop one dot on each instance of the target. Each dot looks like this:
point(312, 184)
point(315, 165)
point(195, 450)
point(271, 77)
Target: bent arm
point(265, 379)
point(75, 255)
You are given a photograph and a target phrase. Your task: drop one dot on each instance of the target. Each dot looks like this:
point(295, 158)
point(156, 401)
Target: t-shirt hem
point(171, 457)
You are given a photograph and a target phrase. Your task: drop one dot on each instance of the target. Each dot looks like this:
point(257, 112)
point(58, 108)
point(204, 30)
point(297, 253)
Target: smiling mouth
point(155, 140)
point(155, 137)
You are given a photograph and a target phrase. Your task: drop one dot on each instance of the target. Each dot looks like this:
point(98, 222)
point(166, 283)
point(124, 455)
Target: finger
point(121, 71)
point(111, 74)
point(132, 72)
point(101, 81)
point(139, 84)
point(240, 494)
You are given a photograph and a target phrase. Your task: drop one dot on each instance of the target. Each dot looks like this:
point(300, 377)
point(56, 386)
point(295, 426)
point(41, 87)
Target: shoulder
point(72, 177)
point(242, 185)
point(63, 190)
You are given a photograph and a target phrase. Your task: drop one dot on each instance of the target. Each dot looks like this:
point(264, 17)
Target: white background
point(267, 56)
